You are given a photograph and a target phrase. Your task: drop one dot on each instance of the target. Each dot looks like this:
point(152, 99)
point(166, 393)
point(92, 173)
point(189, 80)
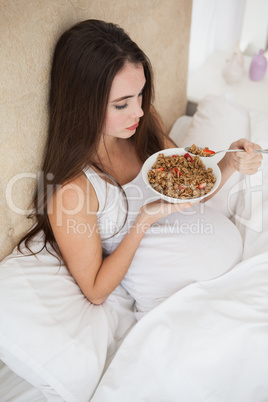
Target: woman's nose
point(138, 111)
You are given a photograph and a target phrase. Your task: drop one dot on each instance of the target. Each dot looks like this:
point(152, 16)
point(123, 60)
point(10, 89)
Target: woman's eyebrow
point(126, 97)
point(122, 98)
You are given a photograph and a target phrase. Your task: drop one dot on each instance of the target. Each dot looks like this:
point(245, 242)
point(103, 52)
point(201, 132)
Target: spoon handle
point(260, 151)
point(231, 150)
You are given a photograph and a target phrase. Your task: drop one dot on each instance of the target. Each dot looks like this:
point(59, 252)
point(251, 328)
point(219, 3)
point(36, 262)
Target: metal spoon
point(262, 151)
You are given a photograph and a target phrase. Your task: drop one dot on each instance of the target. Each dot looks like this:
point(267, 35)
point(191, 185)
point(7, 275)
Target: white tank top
point(113, 209)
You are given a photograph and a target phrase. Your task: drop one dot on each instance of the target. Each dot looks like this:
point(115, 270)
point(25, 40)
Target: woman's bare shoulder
point(76, 194)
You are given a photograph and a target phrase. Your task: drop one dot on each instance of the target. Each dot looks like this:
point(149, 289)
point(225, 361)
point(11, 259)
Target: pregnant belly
point(197, 245)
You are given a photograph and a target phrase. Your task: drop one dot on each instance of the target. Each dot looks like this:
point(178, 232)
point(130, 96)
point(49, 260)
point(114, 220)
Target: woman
point(94, 209)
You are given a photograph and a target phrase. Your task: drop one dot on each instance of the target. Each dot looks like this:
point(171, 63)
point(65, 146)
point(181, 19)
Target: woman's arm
point(72, 215)
point(244, 162)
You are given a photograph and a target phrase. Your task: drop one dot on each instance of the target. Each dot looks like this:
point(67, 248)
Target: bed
point(207, 342)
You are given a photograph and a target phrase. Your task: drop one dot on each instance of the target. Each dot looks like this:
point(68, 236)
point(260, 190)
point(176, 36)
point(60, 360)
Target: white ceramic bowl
point(208, 162)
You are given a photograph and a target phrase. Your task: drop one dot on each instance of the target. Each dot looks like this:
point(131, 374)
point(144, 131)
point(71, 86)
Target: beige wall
point(28, 31)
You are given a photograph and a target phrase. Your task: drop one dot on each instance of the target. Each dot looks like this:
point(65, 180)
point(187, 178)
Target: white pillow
point(216, 124)
point(50, 334)
point(14, 388)
point(180, 128)
point(259, 128)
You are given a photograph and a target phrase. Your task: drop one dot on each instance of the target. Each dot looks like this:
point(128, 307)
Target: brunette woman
point(93, 209)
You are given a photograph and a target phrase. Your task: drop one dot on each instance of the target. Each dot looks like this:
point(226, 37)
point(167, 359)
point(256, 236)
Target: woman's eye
point(120, 107)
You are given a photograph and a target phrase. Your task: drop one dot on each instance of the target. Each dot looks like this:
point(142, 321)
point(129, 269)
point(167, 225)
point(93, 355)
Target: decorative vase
point(233, 69)
point(258, 67)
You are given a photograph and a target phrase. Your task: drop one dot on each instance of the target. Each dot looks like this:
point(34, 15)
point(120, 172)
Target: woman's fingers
point(246, 162)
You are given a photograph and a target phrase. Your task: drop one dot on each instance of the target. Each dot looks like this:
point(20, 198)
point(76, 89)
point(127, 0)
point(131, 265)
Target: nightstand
point(208, 80)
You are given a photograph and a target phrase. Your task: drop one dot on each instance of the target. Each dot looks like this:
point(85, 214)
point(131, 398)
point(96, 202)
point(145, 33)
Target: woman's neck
point(118, 158)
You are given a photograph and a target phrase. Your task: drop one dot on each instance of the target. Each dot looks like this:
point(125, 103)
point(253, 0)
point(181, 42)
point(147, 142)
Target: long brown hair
point(86, 59)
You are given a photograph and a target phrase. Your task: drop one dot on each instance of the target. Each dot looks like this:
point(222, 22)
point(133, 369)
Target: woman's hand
point(153, 211)
point(244, 162)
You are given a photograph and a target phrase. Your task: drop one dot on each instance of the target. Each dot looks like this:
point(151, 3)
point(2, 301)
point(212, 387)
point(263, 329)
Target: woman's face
point(125, 102)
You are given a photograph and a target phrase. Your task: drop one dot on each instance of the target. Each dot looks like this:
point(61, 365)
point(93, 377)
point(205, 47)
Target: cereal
point(181, 176)
point(200, 151)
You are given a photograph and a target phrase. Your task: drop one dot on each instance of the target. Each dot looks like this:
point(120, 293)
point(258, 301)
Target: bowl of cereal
point(177, 176)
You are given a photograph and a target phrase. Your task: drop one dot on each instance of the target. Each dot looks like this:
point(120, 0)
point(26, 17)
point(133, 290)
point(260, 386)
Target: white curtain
point(216, 24)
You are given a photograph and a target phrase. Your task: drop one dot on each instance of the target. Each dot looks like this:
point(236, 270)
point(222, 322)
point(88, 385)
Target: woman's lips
point(133, 127)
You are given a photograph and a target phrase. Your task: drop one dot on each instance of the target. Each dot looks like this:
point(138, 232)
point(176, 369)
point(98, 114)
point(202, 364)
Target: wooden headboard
point(29, 30)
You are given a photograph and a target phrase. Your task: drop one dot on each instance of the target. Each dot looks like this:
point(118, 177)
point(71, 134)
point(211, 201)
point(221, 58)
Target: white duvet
point(208, 342)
